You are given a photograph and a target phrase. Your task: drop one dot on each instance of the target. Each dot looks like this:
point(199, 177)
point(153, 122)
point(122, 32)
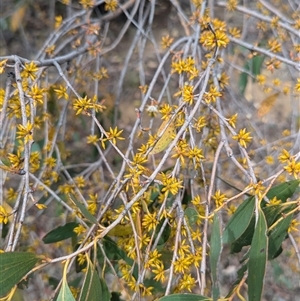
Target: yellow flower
point(92, 139)
point(196, 154)
point(171, 185)
point(3, 215)
point(102, 73)
point(79, 229)
point(159, 272)
point(16, 160)
point(212, 94)
point(36, 93)
point(187, 94)
point(219, 198)
point(61, 92)
point(187, 282)
point(113, 135)
point(269, 160)
point(182, 264)
point(58, 21)
point(293, 168)
point(235, 32)
point(92, 206)
point(166, 41)
point(41, 206)
point(274, 202)
point(50, 162)
point(83, 104)
point(81, 259)
point(80, 181)
point(294, 226)
point(25, 131)
point(11, 194)
point(231, 209)
point(223, 80)
point(150, 221)
point(261, 79)
point(257, 189)
point(222, 39)
point(50, 50)
point(274, 45)
point(200, 123)
point(243, 137)
point(2, 66)
point(166, 111)
point(29, 70)
point(232, 120)
point(178, 66)
point(284, 156)
point(297, 86)
point(111, 5)
point(87, 3)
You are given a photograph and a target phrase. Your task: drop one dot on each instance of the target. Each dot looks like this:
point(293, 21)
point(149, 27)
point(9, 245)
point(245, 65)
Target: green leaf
point(60, 233)
point(239, 221)
point(252, 66)
point(245, 239)
point(255, 64)
point(283, 191)
point(65, 293)
point(84, 211)
point(93, 288)
point(258, 259)
point(14, 266)
point(184, 297)
point(272, 214)
point(277, 236)
point(243, 80)
point(115, 253)
point(192, 215)
point(215, 251)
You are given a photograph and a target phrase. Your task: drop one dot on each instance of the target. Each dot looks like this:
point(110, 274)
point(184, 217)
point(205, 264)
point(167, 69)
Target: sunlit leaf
point(166, 138)
point(17, 18)
point(266, 105)
point(65, 293)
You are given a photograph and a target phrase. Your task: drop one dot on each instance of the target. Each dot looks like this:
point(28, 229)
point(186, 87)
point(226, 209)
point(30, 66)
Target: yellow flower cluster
point(185, 65)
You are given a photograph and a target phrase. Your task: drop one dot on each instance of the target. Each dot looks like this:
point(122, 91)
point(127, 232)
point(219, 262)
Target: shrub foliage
point(143, 143)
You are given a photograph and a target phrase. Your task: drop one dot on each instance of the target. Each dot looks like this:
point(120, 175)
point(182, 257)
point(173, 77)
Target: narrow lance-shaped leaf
point(277, 236)
point(60, 233)
point(258, 259)
point(93, 288)
point(215, 251)
point(239, 221)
